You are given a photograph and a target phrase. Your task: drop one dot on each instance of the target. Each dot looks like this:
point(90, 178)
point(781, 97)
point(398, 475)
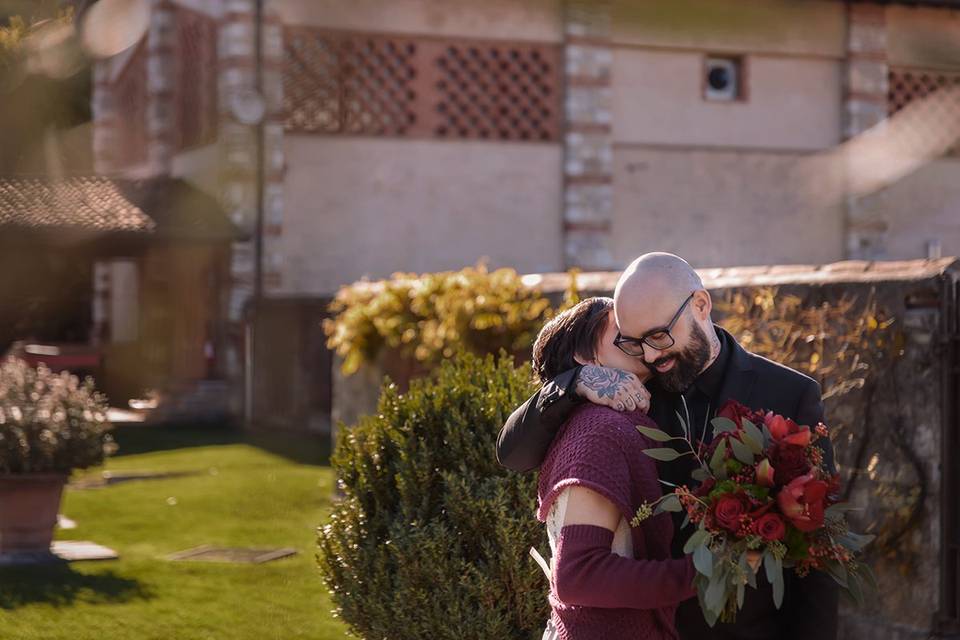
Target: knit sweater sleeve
point(602, 451)
point(590, 452)
point(589, 574)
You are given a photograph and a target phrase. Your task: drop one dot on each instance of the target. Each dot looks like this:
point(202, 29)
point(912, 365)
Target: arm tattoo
point(604, 380)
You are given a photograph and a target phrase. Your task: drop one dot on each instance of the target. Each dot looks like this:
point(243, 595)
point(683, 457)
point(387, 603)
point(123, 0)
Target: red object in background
point(59, 357)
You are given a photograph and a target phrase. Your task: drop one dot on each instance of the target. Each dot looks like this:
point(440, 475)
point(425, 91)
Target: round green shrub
point(431, 537)
point(49, 422)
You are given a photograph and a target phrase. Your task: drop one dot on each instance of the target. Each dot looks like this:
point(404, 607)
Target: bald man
point(664, 318)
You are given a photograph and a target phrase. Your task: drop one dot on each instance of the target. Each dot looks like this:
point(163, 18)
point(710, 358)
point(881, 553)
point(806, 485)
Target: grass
point(247, 491)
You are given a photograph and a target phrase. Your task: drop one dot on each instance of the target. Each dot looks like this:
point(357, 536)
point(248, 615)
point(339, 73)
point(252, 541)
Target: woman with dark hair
point(608, 579)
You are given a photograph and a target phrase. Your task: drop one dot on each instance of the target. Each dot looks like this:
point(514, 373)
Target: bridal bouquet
point(763, 488)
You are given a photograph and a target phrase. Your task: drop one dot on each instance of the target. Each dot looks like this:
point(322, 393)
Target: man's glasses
point(659, 338)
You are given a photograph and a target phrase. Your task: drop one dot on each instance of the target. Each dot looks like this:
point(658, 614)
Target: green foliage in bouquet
point(429, 317)
point(50, 423)
point(431, 537)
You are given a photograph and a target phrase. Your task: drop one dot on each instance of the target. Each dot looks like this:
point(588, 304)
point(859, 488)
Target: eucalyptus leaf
point(774, 569)
point(701, 584)
point(703, 560)
point(686, 520)
point(716, 595)
point(683, 425)
point(741, 451)
point(741, 591)
point(699, 537)
point(855, 589)
point(767, 436)
point(838, 573)
point(656, 434)
point(663, 454)
point(754, 434)
point(717, 461)
point(700, 474)
point(723, 425)
point(856, 541)
point(669, 503)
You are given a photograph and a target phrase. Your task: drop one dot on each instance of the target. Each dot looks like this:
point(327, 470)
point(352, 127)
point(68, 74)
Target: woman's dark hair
point(574, 333)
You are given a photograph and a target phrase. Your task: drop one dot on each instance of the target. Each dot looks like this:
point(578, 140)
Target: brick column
point(588, 148)
point(161, 85)
point(104, 112)
point(238, 160)
point(865, 106)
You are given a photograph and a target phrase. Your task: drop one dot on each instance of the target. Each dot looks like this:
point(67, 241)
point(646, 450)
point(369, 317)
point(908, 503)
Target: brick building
point(420, 135)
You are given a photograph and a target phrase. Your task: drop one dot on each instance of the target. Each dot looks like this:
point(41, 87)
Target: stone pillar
point(588, 144)
point(238, 162)
point(865, 106)
point(161, 88)
point(104, 111)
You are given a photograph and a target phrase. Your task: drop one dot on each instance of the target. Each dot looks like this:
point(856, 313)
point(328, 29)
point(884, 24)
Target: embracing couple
point(613, 576)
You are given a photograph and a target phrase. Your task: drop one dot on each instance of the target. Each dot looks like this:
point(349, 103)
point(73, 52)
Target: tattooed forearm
point(604, 381)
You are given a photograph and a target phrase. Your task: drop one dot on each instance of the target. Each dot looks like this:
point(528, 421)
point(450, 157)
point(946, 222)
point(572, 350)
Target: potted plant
point(50, 424)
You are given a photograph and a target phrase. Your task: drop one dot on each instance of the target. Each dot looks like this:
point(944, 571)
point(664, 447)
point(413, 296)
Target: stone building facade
point(424, 135)
point(595, 135)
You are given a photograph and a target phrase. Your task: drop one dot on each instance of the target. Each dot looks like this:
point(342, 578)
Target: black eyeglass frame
point(621, 340)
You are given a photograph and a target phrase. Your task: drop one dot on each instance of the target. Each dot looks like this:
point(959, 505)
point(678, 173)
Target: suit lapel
point(739, 380)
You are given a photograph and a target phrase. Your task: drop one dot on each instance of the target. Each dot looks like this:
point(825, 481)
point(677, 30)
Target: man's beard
point(689, 363)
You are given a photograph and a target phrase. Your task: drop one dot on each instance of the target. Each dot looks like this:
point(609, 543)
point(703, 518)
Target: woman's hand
point(614, 388)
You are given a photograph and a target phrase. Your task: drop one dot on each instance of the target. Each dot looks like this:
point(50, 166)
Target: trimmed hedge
point(431, 537)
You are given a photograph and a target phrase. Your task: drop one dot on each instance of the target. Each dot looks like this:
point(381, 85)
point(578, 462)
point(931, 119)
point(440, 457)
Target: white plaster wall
point(538, 20)
point(791, 103)
point(807, 27)
point(368, 207)
point(920, 207)
point(925, 38)
point(722, 208)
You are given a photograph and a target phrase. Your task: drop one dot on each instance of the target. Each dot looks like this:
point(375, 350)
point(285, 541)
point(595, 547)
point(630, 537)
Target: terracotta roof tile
point(91, 202)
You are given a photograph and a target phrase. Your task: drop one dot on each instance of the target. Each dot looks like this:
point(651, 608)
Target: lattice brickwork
point(130, 94)
point(907, 85)
point(196, 89)
point(362, 84)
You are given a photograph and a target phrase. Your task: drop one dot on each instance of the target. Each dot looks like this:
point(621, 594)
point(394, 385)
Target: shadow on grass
point(297, 447)
point(61, 585)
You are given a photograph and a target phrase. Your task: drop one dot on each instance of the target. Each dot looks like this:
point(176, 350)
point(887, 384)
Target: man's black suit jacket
point(810, 604)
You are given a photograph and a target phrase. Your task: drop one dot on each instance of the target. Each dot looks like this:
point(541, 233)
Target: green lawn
point(248, 491)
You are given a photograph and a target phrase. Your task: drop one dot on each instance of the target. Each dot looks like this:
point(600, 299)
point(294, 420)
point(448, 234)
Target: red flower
point(786, 430)
point(789, 462)
point(765, 473)
point(803, 501)
point(737, 412)
point(729, 509)
point(770, 527)
point(705, 487)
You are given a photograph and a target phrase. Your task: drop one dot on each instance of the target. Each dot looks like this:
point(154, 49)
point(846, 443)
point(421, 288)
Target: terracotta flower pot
point(29, 504)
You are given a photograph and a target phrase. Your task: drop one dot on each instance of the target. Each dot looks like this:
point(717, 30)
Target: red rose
point(803, 502)
point(770, 527)
point(786, 430)
point(729, 509)
point(789, 462)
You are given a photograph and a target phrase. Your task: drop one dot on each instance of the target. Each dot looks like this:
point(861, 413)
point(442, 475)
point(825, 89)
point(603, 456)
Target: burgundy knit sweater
point(595, 593)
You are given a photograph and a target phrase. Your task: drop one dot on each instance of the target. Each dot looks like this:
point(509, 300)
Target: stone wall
point(891, 436)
